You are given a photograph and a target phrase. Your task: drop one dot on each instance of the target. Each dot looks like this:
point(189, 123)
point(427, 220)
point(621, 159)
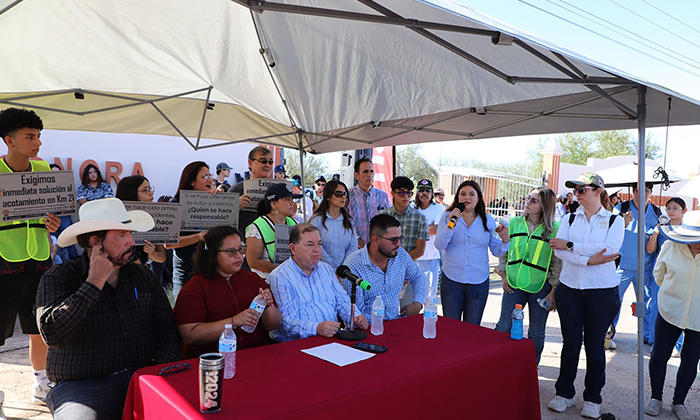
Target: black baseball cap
point(280, 190)
point(425, 183)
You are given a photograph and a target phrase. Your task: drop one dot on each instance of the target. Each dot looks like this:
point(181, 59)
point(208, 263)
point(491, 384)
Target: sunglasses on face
point(582, 189)
point(265, 161)
point(395, 240)
point(423, 190)
point(404, 193)
point(340, 194)
point(232, 252)
point(439, 195)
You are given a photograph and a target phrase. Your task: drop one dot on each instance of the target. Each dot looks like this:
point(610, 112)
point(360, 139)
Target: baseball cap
point(279, 169)
point(280, 190)
point(425, 183)
point(320, 179)
point(222, 166)
point(586, 178)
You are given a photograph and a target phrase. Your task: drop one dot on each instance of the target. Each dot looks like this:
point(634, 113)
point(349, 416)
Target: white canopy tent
point(325, 76)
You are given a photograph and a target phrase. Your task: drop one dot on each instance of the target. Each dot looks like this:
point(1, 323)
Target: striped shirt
point(364, 206)
point(306, 301)
point(413, 226)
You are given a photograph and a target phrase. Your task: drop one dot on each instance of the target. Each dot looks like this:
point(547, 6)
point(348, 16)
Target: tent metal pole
point(641, 246)
point(303, 175)
point(204, 116)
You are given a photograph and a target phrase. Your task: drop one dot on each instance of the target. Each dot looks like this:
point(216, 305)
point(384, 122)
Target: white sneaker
point(41, 390)
point(590, 410)
point(653, 407)
point(681, 412)
point(560, 404)
point(611, 345)
point(675, 353)
point(2, 400)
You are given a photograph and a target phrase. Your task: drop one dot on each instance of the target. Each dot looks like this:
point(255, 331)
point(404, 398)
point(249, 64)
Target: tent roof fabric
point(362, 74)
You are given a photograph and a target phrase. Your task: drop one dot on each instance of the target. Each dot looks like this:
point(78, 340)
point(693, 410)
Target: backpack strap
point(572, 216)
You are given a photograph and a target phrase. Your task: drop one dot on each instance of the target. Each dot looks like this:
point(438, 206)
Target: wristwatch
point(569, 245)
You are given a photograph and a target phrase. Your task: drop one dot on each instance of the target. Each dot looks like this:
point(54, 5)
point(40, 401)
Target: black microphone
point(344, 273)
point(453, 219)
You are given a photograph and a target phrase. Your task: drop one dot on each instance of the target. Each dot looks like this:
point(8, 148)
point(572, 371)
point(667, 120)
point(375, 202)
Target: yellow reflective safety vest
point(267, 231)
point(528, 256)
point(27, 239)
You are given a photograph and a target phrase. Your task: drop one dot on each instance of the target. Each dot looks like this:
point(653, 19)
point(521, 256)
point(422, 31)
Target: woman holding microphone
point(587, 296)
point(465, 234)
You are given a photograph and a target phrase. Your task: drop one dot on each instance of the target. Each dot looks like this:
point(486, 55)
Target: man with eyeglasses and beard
point(101, 315)
point(386, 266)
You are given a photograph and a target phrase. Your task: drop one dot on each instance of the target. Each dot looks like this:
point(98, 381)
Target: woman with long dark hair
point(195, 177)
point(93, 186)
point(466, 237)
point(530, 271)
point(334, 223)
point(220, 293)
point(277, 208)
point(587, 297)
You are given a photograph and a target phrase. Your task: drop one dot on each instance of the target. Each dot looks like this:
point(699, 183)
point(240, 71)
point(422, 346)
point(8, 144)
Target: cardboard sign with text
point(282, 252)
point(203, 210)
point(255, 189)
point(167, 217)
point(30, 195)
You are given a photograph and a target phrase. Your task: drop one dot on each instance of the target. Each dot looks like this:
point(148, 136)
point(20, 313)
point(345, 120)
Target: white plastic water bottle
point(544, 303)
point(377, 316)
point(430, 318)
point(516, 326)
point(258, 305)
point(227, 347)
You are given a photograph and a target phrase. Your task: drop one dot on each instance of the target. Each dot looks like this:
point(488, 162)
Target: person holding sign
point(220, 293)
point(277, 208)
point(94, 186)
point(195, 177)
point(260, 163)
point(25, 248)
point(137, 188)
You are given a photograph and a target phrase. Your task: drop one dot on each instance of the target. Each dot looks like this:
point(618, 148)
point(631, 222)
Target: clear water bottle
point(258, 305)
point(429, 318)
point(544, 303)
point(516, 327)
point(227, 347)
point(377, 316)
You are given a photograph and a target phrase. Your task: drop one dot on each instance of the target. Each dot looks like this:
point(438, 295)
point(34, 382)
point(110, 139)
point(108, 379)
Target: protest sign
point(167, 218)
point(30, 195)
point(255, 189)
point(282, 252)
point(203, 210)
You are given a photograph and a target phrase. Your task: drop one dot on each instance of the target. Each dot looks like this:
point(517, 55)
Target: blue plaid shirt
point(306, 301)
point(400, 268)
point(364, 206)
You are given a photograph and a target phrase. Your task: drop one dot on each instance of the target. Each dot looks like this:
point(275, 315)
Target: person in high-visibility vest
point(530, 271)
point(25, 247)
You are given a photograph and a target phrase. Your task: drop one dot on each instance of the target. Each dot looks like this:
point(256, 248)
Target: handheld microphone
point(453, 219)
point(344, 273)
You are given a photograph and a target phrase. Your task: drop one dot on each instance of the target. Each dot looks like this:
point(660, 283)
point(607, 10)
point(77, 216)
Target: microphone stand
point(349, 333)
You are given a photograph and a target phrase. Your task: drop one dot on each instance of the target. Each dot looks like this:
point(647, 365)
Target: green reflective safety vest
point(26, 239)
point(267, 231)
point(528, 256)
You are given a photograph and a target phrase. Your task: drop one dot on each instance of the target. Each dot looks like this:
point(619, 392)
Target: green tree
point(314, 166)
point(578, 147)
point(412, 164)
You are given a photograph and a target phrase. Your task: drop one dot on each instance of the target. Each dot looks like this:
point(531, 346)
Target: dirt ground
point(619, 394)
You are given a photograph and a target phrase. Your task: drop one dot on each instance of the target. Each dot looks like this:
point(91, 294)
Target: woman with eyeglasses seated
point(334, 223)
point(587, 297)
point(93, 186)
point(277, 208)
point(220, 293)
point(195, 177)
point(466, 236)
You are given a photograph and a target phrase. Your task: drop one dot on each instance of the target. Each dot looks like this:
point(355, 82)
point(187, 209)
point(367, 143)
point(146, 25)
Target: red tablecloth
point(467, 372)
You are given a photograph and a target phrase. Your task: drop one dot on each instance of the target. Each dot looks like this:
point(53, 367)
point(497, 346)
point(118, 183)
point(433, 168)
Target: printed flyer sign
point(282, 252)
point(30, 195)
point(167, 217)
point(255, 189)
point(203, 210)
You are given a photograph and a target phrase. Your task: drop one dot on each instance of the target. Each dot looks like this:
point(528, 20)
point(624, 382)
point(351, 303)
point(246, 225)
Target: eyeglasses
point(394, 240)
point(423, 190)
point(582, 189)
point(207, 176)
point(439, 195)
point(340, 194)
point(232, 252)
point(533, 200)
point(265, 161)
point(404, 193)
point(180, 367)
point(148, 190)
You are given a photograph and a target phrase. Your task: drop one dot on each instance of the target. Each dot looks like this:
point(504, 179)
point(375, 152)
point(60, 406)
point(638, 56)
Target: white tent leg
point(303, 175)
point(641, 246)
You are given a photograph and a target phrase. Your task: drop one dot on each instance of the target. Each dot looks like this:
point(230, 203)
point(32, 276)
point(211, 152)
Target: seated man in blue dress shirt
point(386, 265)
point(307, 290)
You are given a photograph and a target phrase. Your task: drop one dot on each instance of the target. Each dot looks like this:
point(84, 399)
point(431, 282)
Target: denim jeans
point(585, 315)
point(651, 291)
point(463, 302)
point(666, 337)
point(537, 314)
point(90, 399)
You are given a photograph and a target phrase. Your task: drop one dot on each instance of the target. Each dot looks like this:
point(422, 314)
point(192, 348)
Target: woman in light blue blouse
point(464, 284)
point(335, 224)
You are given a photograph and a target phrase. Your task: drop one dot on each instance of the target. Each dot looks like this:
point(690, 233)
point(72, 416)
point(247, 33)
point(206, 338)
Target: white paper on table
point(338, 354)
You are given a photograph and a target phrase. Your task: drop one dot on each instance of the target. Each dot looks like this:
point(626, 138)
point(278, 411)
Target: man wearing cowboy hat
point(102, 316)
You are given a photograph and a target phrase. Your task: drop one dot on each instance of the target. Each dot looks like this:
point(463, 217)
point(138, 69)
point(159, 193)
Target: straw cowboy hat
point(105, 214)
point(688, 232)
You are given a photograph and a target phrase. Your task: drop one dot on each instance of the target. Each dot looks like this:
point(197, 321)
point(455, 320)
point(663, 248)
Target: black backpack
point(625, 207)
